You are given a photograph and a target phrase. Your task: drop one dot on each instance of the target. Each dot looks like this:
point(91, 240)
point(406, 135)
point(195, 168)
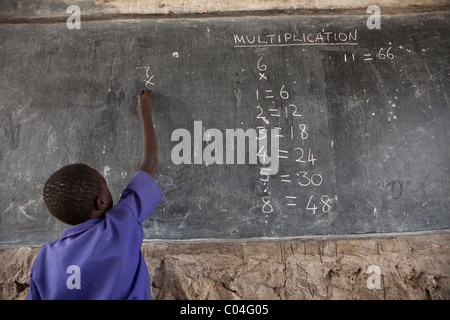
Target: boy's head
point(76, 193)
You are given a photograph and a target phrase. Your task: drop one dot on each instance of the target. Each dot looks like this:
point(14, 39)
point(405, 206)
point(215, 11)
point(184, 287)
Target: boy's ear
point(100, 203)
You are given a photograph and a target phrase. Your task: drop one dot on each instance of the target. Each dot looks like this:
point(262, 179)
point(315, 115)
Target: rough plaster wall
point(412, 267)
point(19, 10)
point(202, 6)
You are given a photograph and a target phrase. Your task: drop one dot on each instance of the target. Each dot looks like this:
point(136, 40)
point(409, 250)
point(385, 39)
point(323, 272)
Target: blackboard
point(363, 118)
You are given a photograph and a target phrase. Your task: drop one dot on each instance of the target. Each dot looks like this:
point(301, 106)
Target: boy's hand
point(145, 101)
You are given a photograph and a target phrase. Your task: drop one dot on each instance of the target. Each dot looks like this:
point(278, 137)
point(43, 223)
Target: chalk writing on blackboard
point(148, 78)
point(381, 54)
point(273, 102)
point(323, 37)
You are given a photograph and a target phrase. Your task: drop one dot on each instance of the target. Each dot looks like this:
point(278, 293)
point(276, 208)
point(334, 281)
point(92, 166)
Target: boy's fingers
point(145, 92)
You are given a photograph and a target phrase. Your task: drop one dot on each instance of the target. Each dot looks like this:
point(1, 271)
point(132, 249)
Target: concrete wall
point(45, 9)
point(382, 267)
point(413, 266)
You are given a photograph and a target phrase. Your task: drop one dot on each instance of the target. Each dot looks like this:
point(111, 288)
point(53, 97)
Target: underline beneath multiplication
point(295, 44)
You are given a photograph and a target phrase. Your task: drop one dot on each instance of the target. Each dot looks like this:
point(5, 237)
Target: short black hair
point(70, 193)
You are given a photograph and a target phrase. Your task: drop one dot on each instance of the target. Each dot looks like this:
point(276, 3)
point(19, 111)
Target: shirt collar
point(80, 228)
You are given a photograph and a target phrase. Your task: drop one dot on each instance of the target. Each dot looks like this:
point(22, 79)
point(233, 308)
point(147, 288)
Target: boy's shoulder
point(142, 195)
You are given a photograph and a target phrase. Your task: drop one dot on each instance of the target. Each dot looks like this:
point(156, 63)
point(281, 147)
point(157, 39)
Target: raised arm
point(150, 143)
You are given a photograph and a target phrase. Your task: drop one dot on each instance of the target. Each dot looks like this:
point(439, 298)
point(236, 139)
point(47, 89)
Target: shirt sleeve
point(142, 195)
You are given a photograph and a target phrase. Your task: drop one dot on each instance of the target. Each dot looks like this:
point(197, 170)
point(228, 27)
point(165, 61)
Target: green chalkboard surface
point(361, 118)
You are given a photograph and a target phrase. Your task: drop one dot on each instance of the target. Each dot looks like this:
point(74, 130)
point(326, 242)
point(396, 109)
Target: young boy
point(99, 257)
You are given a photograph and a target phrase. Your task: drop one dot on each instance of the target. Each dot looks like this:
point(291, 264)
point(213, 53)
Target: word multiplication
point(296, 184)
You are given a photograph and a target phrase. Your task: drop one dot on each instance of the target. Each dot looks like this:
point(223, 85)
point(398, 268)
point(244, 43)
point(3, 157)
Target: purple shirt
point(100, 258)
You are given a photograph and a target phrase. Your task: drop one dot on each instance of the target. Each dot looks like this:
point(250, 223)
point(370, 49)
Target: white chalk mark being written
point(149, 78)
point(149, 81)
